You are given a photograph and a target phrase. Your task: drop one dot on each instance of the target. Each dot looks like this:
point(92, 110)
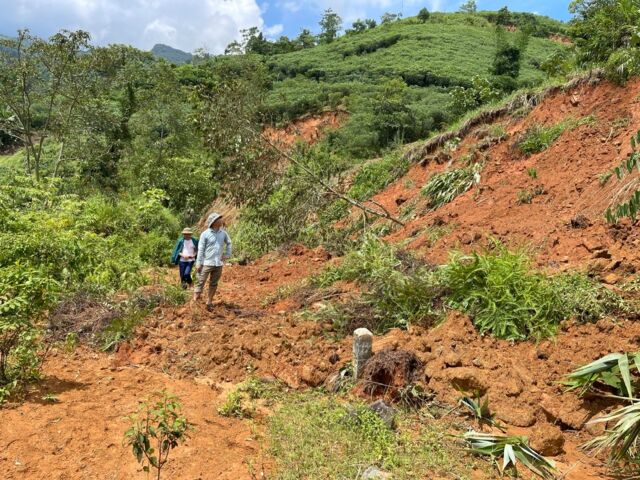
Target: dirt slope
point(567, 174)
point(256, 330)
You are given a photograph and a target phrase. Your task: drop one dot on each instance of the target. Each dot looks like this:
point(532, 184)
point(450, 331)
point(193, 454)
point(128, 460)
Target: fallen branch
point(382, 214)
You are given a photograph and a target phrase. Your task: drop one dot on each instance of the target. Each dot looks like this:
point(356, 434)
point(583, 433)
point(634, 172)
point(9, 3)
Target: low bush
point(397, 289)
point(504, 295)
point(60, 243)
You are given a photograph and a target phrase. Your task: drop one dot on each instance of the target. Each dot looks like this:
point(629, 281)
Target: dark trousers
point(185, 272)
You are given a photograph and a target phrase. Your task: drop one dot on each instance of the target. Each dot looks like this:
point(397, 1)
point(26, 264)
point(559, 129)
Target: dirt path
point(80, 436)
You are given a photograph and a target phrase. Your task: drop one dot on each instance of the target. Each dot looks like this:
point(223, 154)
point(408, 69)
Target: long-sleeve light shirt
point(211, 245)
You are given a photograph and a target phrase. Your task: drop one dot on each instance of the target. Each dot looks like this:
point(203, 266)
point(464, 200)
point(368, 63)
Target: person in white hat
point(214, 247)
point(184, 255)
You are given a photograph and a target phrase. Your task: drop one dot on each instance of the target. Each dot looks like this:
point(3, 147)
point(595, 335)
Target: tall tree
point(423, 15)
point(330, 25)
point(468, 7)
point(41, 85)
point(306, 39)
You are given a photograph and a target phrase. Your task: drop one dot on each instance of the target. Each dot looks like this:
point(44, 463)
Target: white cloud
point(273, 31)
point(186, 24)
point(159, 29)
point(289, 5)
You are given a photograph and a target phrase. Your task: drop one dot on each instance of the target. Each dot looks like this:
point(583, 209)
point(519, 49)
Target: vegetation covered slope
point(171, 54)
point(428, 58)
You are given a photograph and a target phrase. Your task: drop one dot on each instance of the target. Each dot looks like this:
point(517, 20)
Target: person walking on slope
point(184, 255)
point(214, 247)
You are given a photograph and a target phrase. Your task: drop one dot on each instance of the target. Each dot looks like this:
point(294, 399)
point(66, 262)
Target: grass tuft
point(321, 438)
point(443, 187)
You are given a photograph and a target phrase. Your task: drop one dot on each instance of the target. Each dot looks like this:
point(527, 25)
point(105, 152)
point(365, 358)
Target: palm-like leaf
point(614, 370)
point(480, 410)
point(512, 449)
point(622, 439)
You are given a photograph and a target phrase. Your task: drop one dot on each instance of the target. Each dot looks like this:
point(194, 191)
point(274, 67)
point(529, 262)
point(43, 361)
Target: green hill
point(430, 58)
point(170, 54)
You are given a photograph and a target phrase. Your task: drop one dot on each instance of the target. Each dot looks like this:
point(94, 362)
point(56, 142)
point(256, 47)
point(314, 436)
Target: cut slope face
point(563, 183)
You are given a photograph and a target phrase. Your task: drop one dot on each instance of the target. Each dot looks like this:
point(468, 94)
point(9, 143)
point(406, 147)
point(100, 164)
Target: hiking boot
point(185, 285)
point(209, 307)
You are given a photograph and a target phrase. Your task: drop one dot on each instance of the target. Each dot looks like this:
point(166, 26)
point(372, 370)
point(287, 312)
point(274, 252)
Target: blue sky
point(212, 24)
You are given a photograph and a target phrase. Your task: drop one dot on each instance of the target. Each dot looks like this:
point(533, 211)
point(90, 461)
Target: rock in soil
point(385, 412)
point(374, 473)
point(547, 439)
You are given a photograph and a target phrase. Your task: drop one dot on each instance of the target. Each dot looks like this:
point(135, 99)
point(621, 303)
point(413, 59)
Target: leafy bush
point(24, 293)
point(445, 186)
point(504, 295)
point(480, 92)
point(398, 290)
point(58, 242)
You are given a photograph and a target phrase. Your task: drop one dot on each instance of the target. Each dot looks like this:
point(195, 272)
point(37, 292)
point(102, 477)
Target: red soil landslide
point(196, 354)
point(568, 173)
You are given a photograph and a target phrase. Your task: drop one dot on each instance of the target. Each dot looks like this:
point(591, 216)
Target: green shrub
point(445, 186)
point(24, 294)
point(397, 289)
point(503, 294)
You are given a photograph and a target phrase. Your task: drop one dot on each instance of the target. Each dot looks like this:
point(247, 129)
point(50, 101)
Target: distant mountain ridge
point(171, 54)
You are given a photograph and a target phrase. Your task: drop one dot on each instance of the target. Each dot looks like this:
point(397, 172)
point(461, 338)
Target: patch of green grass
point(538, 138)
point(588, 300)
point(319, 438)
point(374, 176)
point(233, 406)
point(532, 172)
point(526, 195)
point(445, 186)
